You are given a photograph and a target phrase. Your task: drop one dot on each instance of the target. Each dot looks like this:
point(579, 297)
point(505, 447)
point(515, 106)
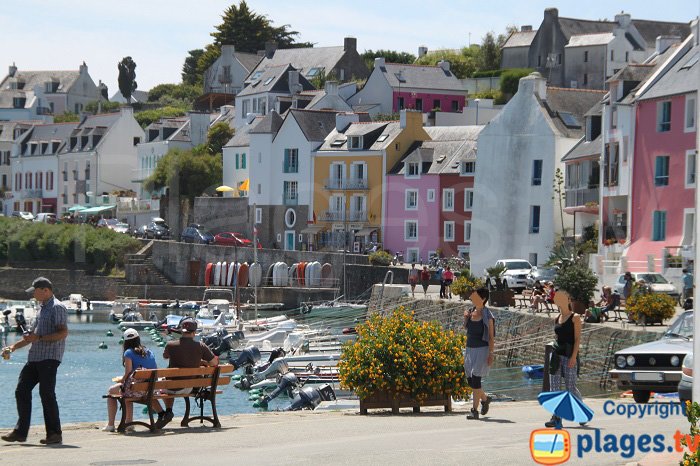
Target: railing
point(339, 216)
point(290, 200)
point(345, 183)
point(581, 197)
point(141, 205)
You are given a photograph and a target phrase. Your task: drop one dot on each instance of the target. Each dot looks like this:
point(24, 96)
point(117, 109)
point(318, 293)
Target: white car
point(516, 273)
point(656, 282)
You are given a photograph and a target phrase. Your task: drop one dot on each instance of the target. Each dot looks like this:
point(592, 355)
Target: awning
point(312, 229)
point(97, 210)
point(366, 231)
point(76, 207)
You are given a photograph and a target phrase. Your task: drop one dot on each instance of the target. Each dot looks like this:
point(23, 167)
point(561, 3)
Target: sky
point(157, 34)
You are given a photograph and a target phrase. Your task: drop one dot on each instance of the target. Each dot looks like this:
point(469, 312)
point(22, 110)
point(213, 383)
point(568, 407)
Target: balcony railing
point(345, 183)
point(581, 197)
point(290, 200)
point(339, 216)
point(140, 205)
point(32, 193)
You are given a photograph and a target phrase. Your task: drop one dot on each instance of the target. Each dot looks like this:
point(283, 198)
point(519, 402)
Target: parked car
point(232, 238)
point(685, 386)
point(107, 223)
point(196, 234)
point(543, 274)
point(656, 282)
point(157, 229)
point(121, 227)
point(23, 215)
point(139, 232)
point(45, 217)
point(655, 366)
point(515, 275)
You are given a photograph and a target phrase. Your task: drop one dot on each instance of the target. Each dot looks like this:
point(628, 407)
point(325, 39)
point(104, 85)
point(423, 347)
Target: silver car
point(655, 366)
point(656, 282)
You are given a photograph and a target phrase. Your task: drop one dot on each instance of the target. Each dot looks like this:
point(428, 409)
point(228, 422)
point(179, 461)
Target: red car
point(231, 238)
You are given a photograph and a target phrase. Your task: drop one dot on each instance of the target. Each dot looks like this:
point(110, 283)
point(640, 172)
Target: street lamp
point(476, 101)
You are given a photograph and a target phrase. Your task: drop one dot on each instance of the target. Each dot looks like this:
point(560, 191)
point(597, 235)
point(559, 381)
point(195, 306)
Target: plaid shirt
point(51, 315)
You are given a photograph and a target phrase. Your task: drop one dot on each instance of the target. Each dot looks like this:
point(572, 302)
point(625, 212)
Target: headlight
point(621, 362)
point(630, 360)
point(675, 360)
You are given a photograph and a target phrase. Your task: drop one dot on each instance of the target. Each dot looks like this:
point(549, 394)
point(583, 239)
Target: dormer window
point(412, 169)
point(50, 87)
point(467, 168)
point(18, 102)
point(355, 142)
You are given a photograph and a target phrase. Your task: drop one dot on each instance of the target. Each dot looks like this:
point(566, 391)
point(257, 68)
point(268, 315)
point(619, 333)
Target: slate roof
point(102, 121)
point(681, 78)
point(66, 79)
point(648, 29)
point(136, 96)
point(632, 72)
point(584, 149)
point(303, 59)
point(520, 39)
point(242, 136)
point(248, 60)
point(315, 124)
point(334, 102)
point(577, 102)
point(573, 26)
point(421, 77)
point(361, 129)
point(274, 79)
point(54, 132)
point(270, 123)
point(587, 40)
point(656, 61)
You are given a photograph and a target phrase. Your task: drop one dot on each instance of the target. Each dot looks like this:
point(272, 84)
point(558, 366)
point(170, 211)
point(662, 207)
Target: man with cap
point(48, 342)
point(185, 352)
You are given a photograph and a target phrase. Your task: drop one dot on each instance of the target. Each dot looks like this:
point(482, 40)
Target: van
point(45, 218)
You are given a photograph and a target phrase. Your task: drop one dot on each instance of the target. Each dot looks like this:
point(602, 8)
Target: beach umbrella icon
point(565, 405)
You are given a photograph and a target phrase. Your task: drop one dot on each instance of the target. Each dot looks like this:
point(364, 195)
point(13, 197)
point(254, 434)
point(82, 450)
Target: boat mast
point(255, 260)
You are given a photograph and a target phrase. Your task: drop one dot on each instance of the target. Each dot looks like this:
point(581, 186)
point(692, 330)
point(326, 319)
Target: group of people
point(541, 293)
point(446, 277)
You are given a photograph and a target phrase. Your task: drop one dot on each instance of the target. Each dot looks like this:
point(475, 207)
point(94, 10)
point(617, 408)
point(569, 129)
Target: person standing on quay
point(413, 276)
point(425, 280)
point(478, 357)
point(448, 276)
point(564, 359)
point(48, 340)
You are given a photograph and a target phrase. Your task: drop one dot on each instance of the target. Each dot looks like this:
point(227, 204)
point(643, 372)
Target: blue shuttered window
point(659, 230)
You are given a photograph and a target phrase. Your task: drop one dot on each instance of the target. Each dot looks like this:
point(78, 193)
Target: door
point(289, 241)
point(337, 175)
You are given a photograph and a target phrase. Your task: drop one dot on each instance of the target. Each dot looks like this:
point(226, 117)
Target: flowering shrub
point(650, 307)
point(380, 258)
point(465, 284)
point(692, 457)
point(401, 355)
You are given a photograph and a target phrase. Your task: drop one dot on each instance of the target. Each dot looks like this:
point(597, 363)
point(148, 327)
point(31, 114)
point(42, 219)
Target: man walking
point(185, 352)
point(687, 284)
point(48, 340)
point(413, 276)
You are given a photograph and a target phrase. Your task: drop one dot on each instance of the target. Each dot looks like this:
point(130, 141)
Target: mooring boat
point(77, 304)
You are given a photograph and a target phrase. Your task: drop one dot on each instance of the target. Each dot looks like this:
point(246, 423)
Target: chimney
point(527, 28)
point(379, 61)
point(445, 65)
point(12, 70)
point(350, 43)
point(422, 51)
point(228, 50)
point(552, 13)
point(83, 68)
point(293, 80)
point(410, 119)
point(664, 42)
point(533, 83)
point(623, 19)
point(126, 110)
point(199, 126)
point(331, 87)
point(104, 91)
point(343, 120)
point(270, 48)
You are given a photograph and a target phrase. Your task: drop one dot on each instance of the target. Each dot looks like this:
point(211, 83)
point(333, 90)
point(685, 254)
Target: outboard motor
point(220, 342)
point(20, 320)
point(286, 383)
point(688, 304)
point(311, 397)
point(248, 357)
point(278, 366)
point(277, 353)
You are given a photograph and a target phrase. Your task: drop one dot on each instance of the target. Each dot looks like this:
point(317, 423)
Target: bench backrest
point(177, 378)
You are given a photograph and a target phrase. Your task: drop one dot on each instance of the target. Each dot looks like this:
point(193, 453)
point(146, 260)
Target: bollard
point(548, 349)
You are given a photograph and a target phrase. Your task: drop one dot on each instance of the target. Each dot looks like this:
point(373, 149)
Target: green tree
point(559, 194)
point(248, 32)
point(127, 77)
point(489, 53)
point(218, 136)
point(175, 94)
point(190, 74)
point(147, 117)
point(391, 56)
point(510, 79)
point(103, 106)
point(67, 117)
point(462, 63)
point(192, 171)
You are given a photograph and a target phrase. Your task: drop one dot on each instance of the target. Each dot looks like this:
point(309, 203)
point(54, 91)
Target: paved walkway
point(343, 437)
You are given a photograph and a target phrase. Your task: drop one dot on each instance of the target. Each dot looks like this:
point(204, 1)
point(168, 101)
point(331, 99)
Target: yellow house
point(349, 171)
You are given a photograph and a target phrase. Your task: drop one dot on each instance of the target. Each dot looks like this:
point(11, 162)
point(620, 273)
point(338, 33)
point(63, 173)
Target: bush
point(146, 117)
point(650, 307)
point(401, 355)
point(487, 74)
point(577, 280)
point(380, 258)
point(510, 79)
point(465, 284)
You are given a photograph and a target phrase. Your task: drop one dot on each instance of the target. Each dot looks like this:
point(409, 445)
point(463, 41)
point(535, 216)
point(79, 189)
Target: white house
point(228, 73)
point(99, 158)
point(10, 132)
point(518, 154)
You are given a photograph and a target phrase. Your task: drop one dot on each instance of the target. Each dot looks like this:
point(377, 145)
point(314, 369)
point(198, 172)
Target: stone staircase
point(142, 271)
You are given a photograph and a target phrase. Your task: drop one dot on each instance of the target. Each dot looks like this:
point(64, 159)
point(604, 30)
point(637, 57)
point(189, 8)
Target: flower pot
point(502, 298)
point(395, 401)
point(579, 307)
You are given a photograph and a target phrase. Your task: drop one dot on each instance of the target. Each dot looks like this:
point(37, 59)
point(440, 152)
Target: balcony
point(32, 193)
point(339, 184)
point(581, 198)
point(339, 216)
point(290, 199)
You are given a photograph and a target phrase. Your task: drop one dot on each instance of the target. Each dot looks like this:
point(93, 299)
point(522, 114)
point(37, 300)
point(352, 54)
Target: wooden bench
point(523, 300)
point(617, 312)
point(154, 382)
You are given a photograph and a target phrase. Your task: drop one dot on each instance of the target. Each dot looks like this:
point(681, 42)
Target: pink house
point(430, 195)
point(663, 186)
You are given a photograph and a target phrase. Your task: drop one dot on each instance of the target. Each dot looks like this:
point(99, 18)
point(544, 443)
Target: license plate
point(648, 376)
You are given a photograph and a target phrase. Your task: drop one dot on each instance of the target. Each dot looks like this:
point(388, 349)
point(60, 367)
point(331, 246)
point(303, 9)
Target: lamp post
point(476, 101)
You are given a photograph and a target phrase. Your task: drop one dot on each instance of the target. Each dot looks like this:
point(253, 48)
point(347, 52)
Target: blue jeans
point(44, 374)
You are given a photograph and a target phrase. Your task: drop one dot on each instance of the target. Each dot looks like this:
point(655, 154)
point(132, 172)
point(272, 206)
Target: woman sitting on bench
point(135, 356)
point(539, 296)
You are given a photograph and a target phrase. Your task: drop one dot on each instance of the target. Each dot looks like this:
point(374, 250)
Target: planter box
point(384, 399)
point(502, 298)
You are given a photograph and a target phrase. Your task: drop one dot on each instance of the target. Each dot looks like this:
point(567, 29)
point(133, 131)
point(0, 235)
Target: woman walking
point(134, 356)
point(425, 279)
point(478, 357)
point(564, 360)
point(448, 276)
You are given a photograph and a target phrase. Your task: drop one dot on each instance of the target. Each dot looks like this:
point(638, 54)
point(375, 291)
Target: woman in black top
point(478, 357)
point(567, 327)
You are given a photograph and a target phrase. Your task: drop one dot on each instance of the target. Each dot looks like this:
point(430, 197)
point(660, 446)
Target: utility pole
point(696, 303)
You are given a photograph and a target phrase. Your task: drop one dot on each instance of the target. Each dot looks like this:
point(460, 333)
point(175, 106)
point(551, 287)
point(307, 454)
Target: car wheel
point(641, 396)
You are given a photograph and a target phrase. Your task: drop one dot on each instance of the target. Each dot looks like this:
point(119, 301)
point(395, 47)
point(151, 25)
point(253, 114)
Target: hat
point(41, 282)
point(188, 325)
point(130, 334)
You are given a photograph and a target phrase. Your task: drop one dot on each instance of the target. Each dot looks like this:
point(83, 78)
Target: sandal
point(485, 405)
point(474, 414)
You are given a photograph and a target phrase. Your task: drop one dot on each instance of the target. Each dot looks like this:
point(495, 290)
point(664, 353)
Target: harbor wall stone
point(65, 281)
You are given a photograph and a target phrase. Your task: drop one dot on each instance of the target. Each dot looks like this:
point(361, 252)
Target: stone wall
point(219, 214)
point(65, 281)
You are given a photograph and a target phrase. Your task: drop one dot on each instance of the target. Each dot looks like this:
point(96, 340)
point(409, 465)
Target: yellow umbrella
point(245, 185)
point(225, 189)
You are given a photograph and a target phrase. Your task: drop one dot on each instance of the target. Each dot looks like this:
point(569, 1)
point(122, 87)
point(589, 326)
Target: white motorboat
point(77, 304)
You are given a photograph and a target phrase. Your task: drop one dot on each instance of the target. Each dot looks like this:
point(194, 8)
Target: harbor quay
point(338, 434)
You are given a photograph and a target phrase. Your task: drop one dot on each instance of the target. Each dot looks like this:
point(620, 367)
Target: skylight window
point(569, 120)
point(400, 77)
point(337, 142)
point(268, 80)
point(382, 138)
point(315, 71)
point(257, 75)
point(692, 61)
